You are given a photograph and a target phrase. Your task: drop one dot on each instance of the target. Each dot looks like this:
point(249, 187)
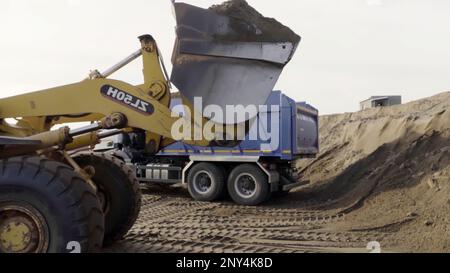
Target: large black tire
point(57, 203)
point(119, 192)
point(248, 185)
point(206, 182)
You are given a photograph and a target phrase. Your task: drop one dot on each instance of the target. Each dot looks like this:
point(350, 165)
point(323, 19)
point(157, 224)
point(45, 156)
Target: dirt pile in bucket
point(250, 25)
point(388, 169)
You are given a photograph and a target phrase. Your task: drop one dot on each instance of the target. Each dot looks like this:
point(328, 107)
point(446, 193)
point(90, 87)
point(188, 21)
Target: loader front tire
point(45, 207)
point(118, 190)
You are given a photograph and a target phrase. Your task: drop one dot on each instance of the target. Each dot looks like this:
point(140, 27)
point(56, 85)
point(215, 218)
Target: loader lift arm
point(144, 106)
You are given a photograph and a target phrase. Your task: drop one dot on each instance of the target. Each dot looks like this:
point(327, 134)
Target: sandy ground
point(390, 168)
point(382, 175)
point(171, 222)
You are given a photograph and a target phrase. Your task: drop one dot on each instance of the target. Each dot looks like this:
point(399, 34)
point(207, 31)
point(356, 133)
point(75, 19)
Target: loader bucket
point(229, 54)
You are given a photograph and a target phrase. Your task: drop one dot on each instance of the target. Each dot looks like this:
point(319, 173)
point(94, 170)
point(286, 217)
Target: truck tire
point(118, 190)
point(45, 207)
point(206, 182)
point(248, 185)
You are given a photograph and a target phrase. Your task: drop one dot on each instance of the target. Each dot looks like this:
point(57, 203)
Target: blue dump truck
point(249, 172)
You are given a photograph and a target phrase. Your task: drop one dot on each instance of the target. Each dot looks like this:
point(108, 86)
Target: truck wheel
point(45, 207)
point(248, 185)
point(119, 193)
point(206, 182)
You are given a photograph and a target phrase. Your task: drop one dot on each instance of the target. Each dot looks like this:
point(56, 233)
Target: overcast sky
point(351, 49)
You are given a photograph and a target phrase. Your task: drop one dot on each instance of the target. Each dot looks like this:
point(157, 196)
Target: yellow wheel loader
point(55, 199)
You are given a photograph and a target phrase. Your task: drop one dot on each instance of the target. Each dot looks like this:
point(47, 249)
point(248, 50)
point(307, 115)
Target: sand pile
point(389, 169)
point(261, 29)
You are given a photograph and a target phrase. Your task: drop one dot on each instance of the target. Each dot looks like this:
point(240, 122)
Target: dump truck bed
point(297, 136)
